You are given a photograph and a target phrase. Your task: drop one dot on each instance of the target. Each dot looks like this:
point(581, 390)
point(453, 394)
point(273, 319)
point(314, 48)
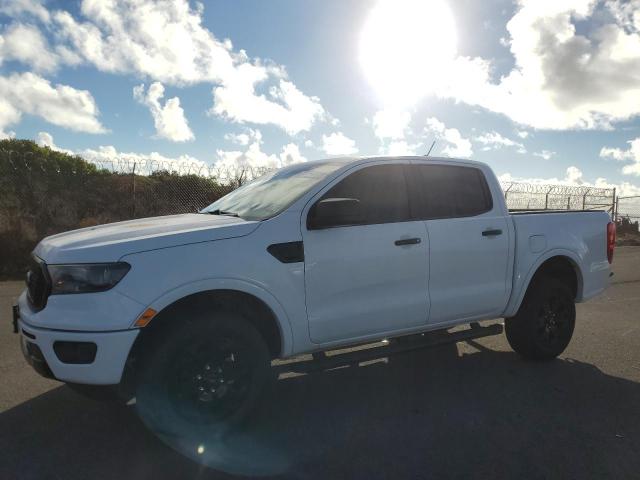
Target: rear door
point(371, 278)
point(468, 241)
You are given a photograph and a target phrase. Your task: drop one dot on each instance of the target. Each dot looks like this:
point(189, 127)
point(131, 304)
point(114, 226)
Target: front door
point(369, 278)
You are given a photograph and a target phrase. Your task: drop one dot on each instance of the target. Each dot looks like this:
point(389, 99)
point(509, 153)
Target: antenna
point(430, 148)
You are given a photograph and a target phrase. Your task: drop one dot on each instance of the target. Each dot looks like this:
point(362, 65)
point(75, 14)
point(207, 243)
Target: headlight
point(86, 277)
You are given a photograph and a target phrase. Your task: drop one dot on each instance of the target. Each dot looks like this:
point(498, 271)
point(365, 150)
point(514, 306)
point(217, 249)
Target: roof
point(355, 160)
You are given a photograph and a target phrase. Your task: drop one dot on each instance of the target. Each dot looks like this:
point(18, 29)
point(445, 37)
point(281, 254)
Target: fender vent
point(289, 252)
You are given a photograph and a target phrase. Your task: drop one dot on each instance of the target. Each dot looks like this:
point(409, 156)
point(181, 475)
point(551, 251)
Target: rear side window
point(381, 191)
point(448, 191)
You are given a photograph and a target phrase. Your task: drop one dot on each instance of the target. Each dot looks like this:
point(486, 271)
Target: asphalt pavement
point(469, 410)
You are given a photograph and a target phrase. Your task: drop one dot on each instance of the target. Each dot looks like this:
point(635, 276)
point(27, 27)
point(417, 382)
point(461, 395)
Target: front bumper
point(106, 368)
point(101, 321)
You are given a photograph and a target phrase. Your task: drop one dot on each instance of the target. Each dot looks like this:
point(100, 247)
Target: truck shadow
point(432, 414)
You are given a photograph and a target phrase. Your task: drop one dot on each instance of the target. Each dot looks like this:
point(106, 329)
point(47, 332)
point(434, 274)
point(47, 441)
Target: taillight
point(611, 240)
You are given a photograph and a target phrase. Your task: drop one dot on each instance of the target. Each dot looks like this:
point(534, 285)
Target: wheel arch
point(562, 264)
point(238, 295)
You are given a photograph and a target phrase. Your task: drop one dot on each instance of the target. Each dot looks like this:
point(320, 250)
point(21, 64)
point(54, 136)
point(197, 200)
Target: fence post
point(613, 206)
point(546, 198)
point(584, 199)
point(133, 184)
point(506, 192)
point(569, 202)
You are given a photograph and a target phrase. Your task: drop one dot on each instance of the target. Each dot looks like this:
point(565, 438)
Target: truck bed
point(579, 235)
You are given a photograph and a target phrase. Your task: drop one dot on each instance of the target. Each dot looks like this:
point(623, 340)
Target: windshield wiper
point(223, 212)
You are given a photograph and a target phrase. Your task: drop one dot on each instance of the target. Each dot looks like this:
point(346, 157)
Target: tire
point(207, 373)
point(544, 324)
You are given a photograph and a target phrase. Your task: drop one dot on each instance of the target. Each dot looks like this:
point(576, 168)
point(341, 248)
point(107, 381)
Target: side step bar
point(321, 361)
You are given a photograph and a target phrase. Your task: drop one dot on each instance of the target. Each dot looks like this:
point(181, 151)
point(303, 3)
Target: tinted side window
point(381, 191)
point(448, 191)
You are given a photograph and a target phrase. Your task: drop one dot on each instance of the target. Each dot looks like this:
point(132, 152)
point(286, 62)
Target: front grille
point(38, 284)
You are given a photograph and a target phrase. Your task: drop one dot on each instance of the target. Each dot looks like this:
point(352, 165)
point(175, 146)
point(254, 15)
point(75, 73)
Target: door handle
point(491, 233)
point(407, 241)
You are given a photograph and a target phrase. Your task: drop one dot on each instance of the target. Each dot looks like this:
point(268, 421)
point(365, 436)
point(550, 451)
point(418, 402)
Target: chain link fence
point(628, 207)
point(166, 188)
point(627, 215)
point(531, 196)
point(43, 195)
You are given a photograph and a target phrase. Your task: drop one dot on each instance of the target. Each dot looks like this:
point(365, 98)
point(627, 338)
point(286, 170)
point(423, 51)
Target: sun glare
point(406, 48)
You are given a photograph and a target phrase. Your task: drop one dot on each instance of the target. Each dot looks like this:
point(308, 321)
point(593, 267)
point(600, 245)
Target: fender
point(240, 285)
point(518, 293)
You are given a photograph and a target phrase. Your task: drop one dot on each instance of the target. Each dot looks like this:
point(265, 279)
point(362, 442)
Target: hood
point(108, 243)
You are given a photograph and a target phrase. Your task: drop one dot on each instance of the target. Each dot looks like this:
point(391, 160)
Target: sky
point(544, 91)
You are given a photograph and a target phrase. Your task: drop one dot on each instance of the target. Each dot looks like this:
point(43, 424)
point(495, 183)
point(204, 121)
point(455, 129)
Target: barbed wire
point(180, 167)
point(558, 189)
point(124, 165)
point(519, 195)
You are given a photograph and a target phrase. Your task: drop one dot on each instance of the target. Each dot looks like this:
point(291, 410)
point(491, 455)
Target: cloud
point(455, 144)
point(400, 148)
point(545, 154)
point(574, 175)
point(45, 139)
point(626, 12)
point(60, 105)
point(26, 44)
point(18, 8)
point(7, 135)
point(9, 115)
point(291, 154)
point(244, 138)
point(391, 126)
point(169, 118)
point(632, 153)
point(493, 141)
point(163, 40)
point(391, 123)
point(284, 106)
point(253, 158)
point(338, 144)
point(522, 133)
point(167, 42)
point(564, 77)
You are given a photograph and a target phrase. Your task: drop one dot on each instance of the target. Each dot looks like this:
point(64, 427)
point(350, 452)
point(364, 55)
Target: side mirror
point(335, 212)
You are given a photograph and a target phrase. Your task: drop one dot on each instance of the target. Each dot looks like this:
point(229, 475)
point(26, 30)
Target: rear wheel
point(543, 327)
point(208, 372)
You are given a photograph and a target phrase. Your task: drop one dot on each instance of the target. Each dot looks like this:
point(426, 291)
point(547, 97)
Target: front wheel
point(207, 372)
point(543, 327)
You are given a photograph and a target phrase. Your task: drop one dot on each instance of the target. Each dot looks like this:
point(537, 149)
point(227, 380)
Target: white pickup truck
point(190, 310)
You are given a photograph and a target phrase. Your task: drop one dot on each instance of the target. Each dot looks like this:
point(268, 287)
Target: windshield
point(273, 192)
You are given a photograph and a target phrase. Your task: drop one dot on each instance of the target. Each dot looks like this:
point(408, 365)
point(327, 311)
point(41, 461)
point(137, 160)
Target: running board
point(321, 361)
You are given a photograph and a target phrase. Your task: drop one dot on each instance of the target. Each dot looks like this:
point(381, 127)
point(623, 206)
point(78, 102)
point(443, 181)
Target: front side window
point(273, 192)
point(380, 192)
point(448, 191)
